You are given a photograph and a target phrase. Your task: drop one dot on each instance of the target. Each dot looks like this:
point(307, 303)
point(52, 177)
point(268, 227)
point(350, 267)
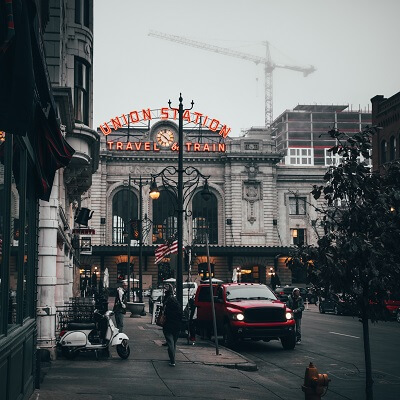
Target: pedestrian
point(275, 281)
point(172, 326)
point(120, 305)
point(192, 320)
point(296, 304)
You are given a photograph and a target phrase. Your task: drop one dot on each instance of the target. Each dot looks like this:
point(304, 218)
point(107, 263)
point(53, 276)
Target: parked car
point(338, 304)
point(283, 292)
point(245, 311)
point(392, 305)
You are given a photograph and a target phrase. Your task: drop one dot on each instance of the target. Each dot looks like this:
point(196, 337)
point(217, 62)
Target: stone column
point(47, 278)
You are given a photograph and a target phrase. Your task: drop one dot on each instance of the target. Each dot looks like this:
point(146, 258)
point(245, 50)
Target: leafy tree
point(359, 251)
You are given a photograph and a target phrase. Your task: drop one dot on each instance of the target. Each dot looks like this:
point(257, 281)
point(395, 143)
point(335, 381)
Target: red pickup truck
point(245, 311)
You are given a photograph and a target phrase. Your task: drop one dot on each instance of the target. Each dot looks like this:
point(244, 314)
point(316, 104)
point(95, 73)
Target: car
point(244, 311)
point(309, 294)
point(338, 304)
point(392, 305)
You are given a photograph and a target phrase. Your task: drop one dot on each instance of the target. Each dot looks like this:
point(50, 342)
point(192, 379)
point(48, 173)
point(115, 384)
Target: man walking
point(120, 305)
point(172, 326)
point(296, 304)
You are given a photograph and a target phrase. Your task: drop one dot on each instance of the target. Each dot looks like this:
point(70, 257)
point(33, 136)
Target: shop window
point(82, 91)
point(203, 270)
point(297, 205)
point(164, 219)
point(249, 274)
point(205, 219)
point(122, 215)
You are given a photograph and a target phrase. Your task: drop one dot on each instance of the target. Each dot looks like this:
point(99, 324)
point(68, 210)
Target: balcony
point(85, 161)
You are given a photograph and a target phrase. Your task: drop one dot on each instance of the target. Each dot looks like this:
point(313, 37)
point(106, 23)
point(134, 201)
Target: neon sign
point(152, 146)
point(164, 113)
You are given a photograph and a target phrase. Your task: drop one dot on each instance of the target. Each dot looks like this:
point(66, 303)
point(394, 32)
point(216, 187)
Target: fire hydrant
point(314, 383)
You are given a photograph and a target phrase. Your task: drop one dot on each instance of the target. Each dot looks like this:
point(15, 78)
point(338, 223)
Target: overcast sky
point(353, 44)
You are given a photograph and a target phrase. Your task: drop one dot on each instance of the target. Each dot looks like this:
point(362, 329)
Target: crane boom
point(269, 65)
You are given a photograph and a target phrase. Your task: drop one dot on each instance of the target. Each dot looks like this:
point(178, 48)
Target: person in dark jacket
point(172, 326)
point(120, 305)
point(296, 304)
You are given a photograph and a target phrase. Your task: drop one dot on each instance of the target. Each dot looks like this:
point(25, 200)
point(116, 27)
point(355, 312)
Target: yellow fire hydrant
point(314, 383)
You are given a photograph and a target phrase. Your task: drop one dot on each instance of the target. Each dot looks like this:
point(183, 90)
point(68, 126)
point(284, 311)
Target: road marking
point(342, 334)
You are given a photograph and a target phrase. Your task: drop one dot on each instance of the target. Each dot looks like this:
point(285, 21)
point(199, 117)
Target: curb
point(247, 365)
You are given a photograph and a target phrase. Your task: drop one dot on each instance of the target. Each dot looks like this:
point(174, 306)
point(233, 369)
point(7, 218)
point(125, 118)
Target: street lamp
point(141, 229)
point(182, 192)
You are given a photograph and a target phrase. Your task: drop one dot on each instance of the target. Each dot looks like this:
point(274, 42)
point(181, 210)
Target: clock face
point(165, 137)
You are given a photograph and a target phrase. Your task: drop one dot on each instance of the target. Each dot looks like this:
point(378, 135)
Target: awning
point(27, 105)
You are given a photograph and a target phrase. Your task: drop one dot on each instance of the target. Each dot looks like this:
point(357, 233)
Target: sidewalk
point(146, 374)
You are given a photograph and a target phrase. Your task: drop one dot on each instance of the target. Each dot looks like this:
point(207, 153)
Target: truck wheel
point(289, 342)
point(229, 339)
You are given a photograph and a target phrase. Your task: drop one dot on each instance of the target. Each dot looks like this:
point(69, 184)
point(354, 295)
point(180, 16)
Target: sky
point(353, 44)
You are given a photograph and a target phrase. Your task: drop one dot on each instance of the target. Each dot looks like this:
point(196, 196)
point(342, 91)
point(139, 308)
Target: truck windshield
point(237, 293)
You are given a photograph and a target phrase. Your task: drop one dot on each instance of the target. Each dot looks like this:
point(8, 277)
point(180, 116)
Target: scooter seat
point(81, 326)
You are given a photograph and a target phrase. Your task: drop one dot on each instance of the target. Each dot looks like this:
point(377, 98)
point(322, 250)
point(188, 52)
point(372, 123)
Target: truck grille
point(265, 314)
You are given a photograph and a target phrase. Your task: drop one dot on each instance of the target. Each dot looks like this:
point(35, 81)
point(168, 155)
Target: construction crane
point(269, 65)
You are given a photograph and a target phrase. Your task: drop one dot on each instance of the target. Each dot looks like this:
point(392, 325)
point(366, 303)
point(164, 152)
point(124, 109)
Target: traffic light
point(136, 229)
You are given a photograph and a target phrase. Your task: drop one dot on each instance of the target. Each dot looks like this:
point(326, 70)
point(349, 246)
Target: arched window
point(205, 219)
point(164, 218)
point(393, 149)
point(383, 151)
point(121, 215)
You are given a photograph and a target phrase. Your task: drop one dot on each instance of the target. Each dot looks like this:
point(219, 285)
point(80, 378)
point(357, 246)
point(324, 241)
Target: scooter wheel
point(68, 352)
point(123, 351)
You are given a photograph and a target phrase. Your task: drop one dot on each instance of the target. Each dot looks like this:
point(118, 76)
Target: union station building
point(260, 201)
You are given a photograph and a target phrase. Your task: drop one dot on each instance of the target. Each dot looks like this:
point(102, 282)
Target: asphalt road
point(335, 346)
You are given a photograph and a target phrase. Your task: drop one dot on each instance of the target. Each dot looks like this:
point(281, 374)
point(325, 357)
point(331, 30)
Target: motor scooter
point(93, 336)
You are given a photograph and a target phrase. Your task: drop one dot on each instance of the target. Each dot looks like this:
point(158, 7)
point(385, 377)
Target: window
point(82, 12)
point(81, 92)
point(393, 150)
point(300, 156)
point(121, 215)
point(332, 159)
point(298, 236)
point(164, 219)
point(18, 235)
point(205, 219)
point(383, 151)
point(297, 205)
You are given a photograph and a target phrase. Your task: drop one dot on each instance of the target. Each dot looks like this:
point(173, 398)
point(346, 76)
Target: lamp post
point(141, 229)
point(181, 191)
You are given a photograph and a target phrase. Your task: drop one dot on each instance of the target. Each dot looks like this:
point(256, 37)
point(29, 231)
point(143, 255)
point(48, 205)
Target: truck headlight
point(238, 317)
point(289, 315)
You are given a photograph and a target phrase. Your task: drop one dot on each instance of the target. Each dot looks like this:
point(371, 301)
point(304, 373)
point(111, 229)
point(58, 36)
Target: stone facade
point(252, 187)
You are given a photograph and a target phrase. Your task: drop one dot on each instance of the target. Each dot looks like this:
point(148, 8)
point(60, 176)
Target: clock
point(165, 137)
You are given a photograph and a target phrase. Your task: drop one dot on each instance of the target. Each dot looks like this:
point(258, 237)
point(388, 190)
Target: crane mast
point(269, 65)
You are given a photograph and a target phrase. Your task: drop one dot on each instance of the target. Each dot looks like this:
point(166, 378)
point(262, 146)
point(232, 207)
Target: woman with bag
point(120, 305)
point(172, 325)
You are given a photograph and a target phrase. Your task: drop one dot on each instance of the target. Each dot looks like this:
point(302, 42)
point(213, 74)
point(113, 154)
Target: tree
point(359, 251)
